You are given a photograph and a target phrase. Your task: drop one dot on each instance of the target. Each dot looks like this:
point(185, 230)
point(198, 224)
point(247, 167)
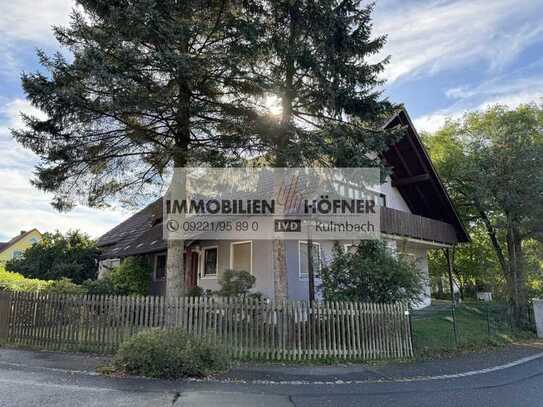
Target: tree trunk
point(175, 267)
point(511, 269)
point(440, 291)
point(175, 264)
point(494, 240)
point(279, 271)
point(516, 270)
point(281, 146)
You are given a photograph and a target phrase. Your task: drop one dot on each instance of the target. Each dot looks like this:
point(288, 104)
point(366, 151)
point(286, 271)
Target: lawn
point(479, 326)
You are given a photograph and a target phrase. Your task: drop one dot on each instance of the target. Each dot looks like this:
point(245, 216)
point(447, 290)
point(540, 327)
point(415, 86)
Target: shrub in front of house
point(131, 277)
point(64, 286)
point(235, 283)
point(169, 354)
point(102, 286)
point(196, 291)
point(370, 273)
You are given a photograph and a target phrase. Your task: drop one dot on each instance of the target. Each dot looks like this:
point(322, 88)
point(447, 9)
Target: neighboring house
point(416, 216)
point(16, 246)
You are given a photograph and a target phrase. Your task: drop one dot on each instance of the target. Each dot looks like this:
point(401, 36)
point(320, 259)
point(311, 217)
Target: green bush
point(195, 292)
point(370, 273)
point(102, 286)
point(17, 282)
point(56, 256)
point(169, 354)
point(131, 277)
point(64, 286)
point(235, 283)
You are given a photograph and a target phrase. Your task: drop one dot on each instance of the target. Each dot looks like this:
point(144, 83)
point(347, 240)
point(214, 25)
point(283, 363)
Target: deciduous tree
point(73, 256)
point(492, 162)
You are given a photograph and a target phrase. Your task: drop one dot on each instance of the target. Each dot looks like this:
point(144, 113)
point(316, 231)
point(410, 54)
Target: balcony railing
point(395, 222)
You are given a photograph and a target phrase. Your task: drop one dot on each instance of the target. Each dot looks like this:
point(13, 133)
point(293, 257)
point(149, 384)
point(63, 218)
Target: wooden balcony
point(399, 223)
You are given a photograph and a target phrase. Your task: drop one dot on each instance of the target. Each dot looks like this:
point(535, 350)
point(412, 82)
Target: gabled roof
point(141, 233)
point(6, 245)
point(414, 175)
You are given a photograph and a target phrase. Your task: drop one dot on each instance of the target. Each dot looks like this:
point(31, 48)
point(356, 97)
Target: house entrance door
point(192, 271)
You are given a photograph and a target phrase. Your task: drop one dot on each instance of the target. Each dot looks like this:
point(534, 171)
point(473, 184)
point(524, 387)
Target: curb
point(370, 381)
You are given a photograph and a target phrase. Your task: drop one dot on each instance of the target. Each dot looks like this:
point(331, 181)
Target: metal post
point(310, 270)
point(450, 260)
point(411, 326)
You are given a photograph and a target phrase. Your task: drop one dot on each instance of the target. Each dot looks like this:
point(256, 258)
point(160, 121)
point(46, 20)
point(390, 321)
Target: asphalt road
point(22, 386)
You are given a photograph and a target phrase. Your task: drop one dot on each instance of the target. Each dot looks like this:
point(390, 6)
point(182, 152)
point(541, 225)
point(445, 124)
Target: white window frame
point(232, 253)
point(202, 263)
point(155, 266)
point(300, 275)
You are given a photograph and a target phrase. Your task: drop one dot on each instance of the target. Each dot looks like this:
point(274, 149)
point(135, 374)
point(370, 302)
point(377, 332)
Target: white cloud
point(32, 20)
point(433, 122)
point(431, 36)
point(22, 206)
point(14, 155)
point(25, 25)
point(499, 90)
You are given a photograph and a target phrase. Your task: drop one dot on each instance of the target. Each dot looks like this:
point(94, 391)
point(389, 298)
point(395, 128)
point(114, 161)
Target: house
point(16, 246)
point(416, 216)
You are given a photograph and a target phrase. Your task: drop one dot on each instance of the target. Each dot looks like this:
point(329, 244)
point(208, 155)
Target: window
point(17, 254)
point(241, 256)
point(316, 255)
point(211, 261)
point(160, 267)
point(33, 240)
point(382, 200)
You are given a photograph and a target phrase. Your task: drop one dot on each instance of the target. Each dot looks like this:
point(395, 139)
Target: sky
point(447, 57)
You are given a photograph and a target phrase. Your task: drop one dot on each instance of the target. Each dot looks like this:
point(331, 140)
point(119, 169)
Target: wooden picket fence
point(247, 328)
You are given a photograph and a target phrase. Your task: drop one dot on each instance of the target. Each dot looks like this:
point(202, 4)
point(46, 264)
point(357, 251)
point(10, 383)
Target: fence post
point(538, 316)
point(5, 310)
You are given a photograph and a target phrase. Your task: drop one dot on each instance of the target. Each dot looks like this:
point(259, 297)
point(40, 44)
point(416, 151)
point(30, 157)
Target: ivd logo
point(288, 225)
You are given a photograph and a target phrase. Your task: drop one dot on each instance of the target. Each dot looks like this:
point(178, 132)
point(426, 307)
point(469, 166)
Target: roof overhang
point(415, 177)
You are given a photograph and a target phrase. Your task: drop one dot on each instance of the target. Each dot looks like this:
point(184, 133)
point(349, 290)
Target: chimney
point(23, 232)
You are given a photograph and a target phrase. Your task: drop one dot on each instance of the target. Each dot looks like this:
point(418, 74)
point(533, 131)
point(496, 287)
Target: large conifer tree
point(149, 85)
point(316, 56)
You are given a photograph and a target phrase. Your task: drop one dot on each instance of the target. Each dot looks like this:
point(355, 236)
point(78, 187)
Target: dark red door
point(192, 270)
